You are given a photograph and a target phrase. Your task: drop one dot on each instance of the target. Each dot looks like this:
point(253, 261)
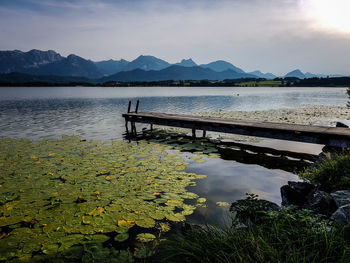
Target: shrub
point(331, 174)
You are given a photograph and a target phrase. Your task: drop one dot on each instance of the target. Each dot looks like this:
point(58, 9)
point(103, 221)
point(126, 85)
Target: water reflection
point(241, 169)
point(230, 183)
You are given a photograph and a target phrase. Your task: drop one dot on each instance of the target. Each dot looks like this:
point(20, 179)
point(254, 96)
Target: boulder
point(341, 197)
point(320, 202)
point(295, 193)
point(342, 215)
point(307, 196)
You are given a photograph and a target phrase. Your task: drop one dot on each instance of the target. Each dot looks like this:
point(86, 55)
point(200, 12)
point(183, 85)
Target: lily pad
point(121, 237)
point(145, 237)
point(74, 191)
point(145, 222)
point(222, 204)
point(201, 200)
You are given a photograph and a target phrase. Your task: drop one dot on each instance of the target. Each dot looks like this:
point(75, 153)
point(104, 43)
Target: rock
point(320, 202)
point(342, 215)
point(302, 187)
point(340, 124)
point(307, 196)
point(295, 193)
point(341, 197)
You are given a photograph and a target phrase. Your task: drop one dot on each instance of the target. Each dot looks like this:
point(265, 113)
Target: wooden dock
point(329, 136)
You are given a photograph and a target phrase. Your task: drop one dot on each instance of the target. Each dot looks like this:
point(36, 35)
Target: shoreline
point(316, 115)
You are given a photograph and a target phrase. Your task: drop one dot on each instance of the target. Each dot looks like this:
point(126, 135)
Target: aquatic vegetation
point(222, 204)
point(56, 194)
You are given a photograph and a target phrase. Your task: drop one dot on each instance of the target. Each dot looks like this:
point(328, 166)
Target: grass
point(286, 236)
point(332, 174)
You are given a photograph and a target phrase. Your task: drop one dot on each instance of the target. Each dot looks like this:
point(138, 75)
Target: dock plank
point(331, 136)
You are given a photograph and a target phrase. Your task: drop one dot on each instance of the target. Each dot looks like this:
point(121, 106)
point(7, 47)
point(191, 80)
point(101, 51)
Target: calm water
point(95, 113)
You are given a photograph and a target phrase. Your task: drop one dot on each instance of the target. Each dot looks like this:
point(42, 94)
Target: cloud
point(269, 35)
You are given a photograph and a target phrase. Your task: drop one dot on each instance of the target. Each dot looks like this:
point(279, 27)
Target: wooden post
point(151, 127)
point(126, 126)
point(194, 133)
point(204, 133)
point(129, 106)
point(137, 106)
point(134, 128)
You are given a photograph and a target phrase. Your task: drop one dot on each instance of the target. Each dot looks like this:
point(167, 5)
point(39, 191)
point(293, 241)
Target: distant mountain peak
point(186, 63)
point(146, 62)
point(146, 56)
point(295, 74)
point(221, 65)
point(187, 60)
point(73, 56)
point(297, 71)
point(259, 74)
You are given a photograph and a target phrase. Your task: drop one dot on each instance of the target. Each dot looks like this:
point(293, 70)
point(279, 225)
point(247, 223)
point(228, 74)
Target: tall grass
point(287, 236)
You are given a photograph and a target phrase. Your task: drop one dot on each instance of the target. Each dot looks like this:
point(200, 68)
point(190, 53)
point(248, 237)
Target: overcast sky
point(271, 35)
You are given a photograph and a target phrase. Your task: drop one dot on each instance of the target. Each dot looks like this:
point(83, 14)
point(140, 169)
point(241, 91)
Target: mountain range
point(300, 75)
point(144, 68)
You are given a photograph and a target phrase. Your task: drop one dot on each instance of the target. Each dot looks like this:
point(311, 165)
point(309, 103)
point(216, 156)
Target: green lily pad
point(79, 192)
point(178, 217)
point(145, 237)
point(122, 230)
point(121, 237)
point(145, 222)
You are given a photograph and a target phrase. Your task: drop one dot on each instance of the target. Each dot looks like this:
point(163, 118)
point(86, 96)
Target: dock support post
point(193, 133)
point(126, 125)
point(137, 106)
point(204, 133)
point(133, 131)
point(129, 106)
point(126, 119)
point(151, 128)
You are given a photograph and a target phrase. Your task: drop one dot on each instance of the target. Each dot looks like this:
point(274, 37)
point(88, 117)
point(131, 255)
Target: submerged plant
point(55, 194)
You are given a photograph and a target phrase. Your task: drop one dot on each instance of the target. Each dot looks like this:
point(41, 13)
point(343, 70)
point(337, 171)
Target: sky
point(270, 35)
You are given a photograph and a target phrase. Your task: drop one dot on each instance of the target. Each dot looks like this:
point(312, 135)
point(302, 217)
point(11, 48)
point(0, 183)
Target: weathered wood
point(331, 136)
point(129, 106)
point(126, 126)
point(137, 106)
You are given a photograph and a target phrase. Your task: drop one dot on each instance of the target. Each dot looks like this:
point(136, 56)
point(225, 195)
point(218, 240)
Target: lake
point(94, 113)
